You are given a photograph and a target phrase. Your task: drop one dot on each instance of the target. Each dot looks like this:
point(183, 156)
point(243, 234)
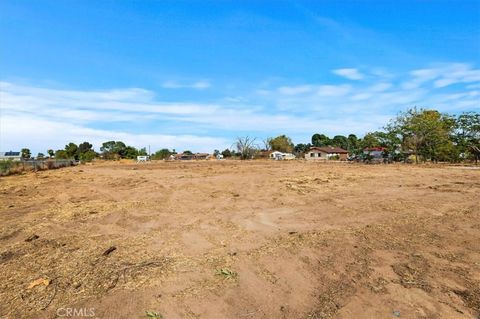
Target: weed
point(227, 273)
point(153, 314)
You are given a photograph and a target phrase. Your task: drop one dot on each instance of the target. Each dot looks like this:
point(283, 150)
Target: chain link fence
point(9, 167)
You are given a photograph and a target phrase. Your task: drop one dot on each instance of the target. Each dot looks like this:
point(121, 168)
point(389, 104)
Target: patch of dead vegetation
point(413, 273)
point(72, 272)
point(471, 296)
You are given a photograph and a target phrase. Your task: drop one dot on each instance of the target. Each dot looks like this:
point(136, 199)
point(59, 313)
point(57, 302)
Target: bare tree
point(246, 147)
point(267, 144)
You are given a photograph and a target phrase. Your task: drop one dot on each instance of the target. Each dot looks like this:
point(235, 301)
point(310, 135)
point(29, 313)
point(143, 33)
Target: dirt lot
point(241, 240)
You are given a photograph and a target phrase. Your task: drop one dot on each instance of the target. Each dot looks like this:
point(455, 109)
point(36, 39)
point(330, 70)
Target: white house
point(326, 153)
point(142, 158)
point(279, 156)
point(13, 156)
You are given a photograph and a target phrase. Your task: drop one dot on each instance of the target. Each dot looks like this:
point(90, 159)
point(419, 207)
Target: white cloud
point(443, 75)
point(44, 117)
point(323, 90)
point(52, 117)
point(294, 90)
point(349, 73)
point(199, 85)
point(40, 134)
point(333, 90)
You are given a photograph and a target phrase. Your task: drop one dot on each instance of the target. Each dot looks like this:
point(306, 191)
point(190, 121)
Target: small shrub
point(5, 166)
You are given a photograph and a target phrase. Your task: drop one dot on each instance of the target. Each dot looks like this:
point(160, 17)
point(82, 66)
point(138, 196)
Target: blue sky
point(196, 74)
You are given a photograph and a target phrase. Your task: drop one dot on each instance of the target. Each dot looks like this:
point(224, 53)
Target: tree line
point(429, 135)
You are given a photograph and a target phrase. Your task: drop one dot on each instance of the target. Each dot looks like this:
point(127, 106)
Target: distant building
point(142, 158)
point(376, 155)
point(14, 156)
point(279, 156)
point(326, 153)
point(375, 152)
point(196, 156)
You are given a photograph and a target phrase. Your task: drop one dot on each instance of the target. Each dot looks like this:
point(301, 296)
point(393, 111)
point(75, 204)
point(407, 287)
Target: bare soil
point(231, 239)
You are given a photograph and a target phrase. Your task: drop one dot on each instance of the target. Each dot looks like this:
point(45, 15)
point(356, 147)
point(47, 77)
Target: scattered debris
point(470, 297)
point(413, 273)
point(249, 313)
point(32, 238)
point(51, 298)
point(109, 250)
point(396, 313)
point(38, 282)
point(5, 256)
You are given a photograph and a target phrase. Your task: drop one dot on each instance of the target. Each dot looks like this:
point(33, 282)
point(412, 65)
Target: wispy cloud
point(198, 85)
point(443, 75)
point(294, 90)
point(40, 134)
point(51, 117)
point(349, 73)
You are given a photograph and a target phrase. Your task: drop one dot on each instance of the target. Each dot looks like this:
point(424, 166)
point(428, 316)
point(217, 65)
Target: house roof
point(371, 149)
point(330, 149)
point(10, 153)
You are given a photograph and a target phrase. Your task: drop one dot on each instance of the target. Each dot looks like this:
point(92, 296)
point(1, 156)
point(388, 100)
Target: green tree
point(369, 140)
point(391, 141)
point(40, 156)
point(281, 143)
point(108, 147)
point(85, 147)
point(129, 152)
point(353, 144)
point(61, 154)
point(320, 140)
point(187, 152)
point(226, 153)
point(142, 152)
point(88, 156)
point(72, 150)
point(113, 149)
point(301, 148)
point(467, 134)
point(164, 153)
point(26, 154)
point(51, 153)
point(426, 132)
point(340, 141)
point(85, 152)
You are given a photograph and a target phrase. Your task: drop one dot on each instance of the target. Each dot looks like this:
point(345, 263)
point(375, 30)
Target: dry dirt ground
point(231, 239)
